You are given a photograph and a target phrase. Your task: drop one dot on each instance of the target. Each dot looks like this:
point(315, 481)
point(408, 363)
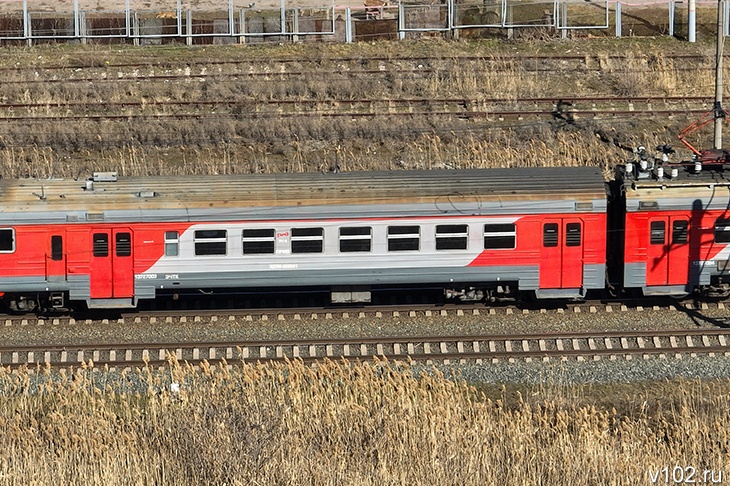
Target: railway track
point(536, 63)
point(446, 349)
point(492, 108)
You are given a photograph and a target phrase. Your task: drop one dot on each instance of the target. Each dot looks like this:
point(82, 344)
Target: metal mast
point(719, 113)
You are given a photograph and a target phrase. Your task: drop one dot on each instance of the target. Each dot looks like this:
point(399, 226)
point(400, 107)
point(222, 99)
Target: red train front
point(676, 228)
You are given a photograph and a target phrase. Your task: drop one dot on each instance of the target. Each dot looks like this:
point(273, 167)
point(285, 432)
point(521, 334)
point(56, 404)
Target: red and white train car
point(677, 229)
point(108, 242)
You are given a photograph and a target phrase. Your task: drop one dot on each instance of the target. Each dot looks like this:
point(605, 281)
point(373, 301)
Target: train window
point(500, 236)
point(550, 235)
point(722, 231)
point(356, 238)
point(56, 248)
point(210, 242)
point(7, 240)
point(101, 245)
point(452, 236)
point(123, 244)
point(404, 238)
point(258, 241)
point(572, 234)
point(679, 232)
point(172, 243)
point(307, 240)
point(656, 232)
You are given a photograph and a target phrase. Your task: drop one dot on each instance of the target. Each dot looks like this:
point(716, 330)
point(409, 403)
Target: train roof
point(180, 195)
point(685, 189)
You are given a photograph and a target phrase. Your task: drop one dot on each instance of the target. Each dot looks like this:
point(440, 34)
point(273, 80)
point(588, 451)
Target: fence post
point(295, 25)
point(401, 21)
point(618, 19)
point(452, 22)
point(135, 28)
point(83, 27)
point(348, 25)
point(127, 20)
point(671, 18)
point(189, 27)
point(564, 17)
point(691, 20)
point(242, 26)
point(283, 17)
point(26, 24)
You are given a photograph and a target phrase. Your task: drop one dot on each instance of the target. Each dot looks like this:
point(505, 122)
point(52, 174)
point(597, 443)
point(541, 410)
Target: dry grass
point(229, 139)
point(339, 423)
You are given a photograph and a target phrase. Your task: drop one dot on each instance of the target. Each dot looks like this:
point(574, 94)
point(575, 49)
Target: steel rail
point(583, 345)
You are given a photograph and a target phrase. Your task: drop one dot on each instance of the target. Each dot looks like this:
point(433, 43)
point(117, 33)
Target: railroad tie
point(396, 348)
point(328, 350)
point(80, 356)
point(31, 357)
point(526, 349)
point(196, 354)
point(47, 357)
point(346, 350)
point(262, 351)
point(15, 357)
point(508, 348)
point(211, 353)
point(576, 347)
point(64, 356)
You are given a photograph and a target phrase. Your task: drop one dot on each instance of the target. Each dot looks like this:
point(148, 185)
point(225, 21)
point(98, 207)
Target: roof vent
point(105, 176)
point(146, 194)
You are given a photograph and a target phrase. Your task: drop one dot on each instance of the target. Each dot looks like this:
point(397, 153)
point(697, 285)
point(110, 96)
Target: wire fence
point(22, 22)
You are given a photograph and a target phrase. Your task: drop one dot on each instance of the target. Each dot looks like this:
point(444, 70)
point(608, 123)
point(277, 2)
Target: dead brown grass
point(341, 423)
point(231, 139)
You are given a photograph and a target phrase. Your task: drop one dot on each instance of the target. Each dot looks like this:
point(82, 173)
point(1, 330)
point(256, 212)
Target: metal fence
point(237, 21)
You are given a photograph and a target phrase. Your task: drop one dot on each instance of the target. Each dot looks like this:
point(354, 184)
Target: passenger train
point(485, 234)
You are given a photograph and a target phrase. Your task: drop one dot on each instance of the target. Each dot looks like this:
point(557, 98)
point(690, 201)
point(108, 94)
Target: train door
point(56, 258)
point(561, 256)
point(668, 251)
point(112, 274)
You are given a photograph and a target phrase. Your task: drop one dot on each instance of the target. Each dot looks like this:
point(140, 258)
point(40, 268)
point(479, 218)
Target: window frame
point(355, 238)
point(171, 242)
point(453, 234)
point(298, 243)
point(723, 223)
point(12, 240)
point(503, 234)
point(258, 241)
point(393, 238)
point(199, 240)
